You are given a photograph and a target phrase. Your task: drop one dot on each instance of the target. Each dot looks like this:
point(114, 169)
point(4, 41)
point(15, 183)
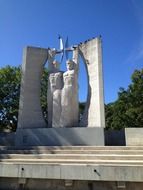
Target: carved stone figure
point(69, 98)
point(54, 98)
point(58, 79)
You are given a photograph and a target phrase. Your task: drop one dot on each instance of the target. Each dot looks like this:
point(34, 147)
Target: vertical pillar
point(30, 113)
point(91, 52)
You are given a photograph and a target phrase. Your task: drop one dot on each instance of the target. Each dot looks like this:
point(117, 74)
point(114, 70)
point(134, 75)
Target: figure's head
point(70, 64)
point(56, 64)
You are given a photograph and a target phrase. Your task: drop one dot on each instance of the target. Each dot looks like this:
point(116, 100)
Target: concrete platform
point(91, 136)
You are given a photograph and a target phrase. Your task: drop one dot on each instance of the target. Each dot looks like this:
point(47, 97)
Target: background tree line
point(126, 111)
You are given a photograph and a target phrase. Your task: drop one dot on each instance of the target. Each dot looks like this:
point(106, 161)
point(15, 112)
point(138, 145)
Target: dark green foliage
point(43, 98)
point(9, 96)
point(127, 111)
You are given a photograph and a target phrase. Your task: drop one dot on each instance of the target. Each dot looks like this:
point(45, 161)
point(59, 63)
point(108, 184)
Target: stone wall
point(112, 138)
point(7, 139)
point(41, 184)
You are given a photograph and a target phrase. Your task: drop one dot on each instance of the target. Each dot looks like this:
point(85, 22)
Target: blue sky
point(38, 23)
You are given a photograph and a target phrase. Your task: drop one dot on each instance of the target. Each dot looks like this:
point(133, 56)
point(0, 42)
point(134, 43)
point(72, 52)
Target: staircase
point(73, 154)
point(74, 162)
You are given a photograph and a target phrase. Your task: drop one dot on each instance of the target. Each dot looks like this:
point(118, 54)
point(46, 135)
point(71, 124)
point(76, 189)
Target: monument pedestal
point(134, 136)
point(87, 136)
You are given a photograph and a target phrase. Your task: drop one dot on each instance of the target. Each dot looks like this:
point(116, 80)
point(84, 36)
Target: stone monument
point(64, 127)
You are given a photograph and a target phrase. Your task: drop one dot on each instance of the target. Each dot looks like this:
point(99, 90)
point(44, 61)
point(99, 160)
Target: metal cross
point(64, 48)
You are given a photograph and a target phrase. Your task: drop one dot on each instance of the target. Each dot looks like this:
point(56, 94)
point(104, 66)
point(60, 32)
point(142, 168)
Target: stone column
point(30, 113)
point(91, 52)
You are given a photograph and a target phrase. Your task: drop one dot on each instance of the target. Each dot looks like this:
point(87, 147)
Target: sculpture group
point(63, 95)
point(64, 127)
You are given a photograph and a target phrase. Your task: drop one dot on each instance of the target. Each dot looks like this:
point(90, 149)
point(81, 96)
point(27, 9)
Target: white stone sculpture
point(69, 98)
point(54, 98)
point(62, 98)
point(57, 109)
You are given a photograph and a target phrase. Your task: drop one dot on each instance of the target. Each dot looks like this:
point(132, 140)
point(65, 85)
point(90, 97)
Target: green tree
point(43, 98)
point(9, 96)
point(127, 111)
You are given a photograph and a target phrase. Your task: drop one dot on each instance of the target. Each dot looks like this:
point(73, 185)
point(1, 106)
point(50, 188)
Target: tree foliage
point(43, 97)
point(127, 111)
point(9, 96)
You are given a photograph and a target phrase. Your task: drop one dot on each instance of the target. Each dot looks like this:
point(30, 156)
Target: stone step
point(58, 151)
point(72, 156)
point(38, 148)
point(71, 161)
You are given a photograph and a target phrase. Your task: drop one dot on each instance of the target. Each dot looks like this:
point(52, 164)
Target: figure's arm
point(51, 57)
point(76, 58)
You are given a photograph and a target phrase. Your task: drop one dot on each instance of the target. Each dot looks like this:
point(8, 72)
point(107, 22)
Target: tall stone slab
point(91, 52)
point(30, 113)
